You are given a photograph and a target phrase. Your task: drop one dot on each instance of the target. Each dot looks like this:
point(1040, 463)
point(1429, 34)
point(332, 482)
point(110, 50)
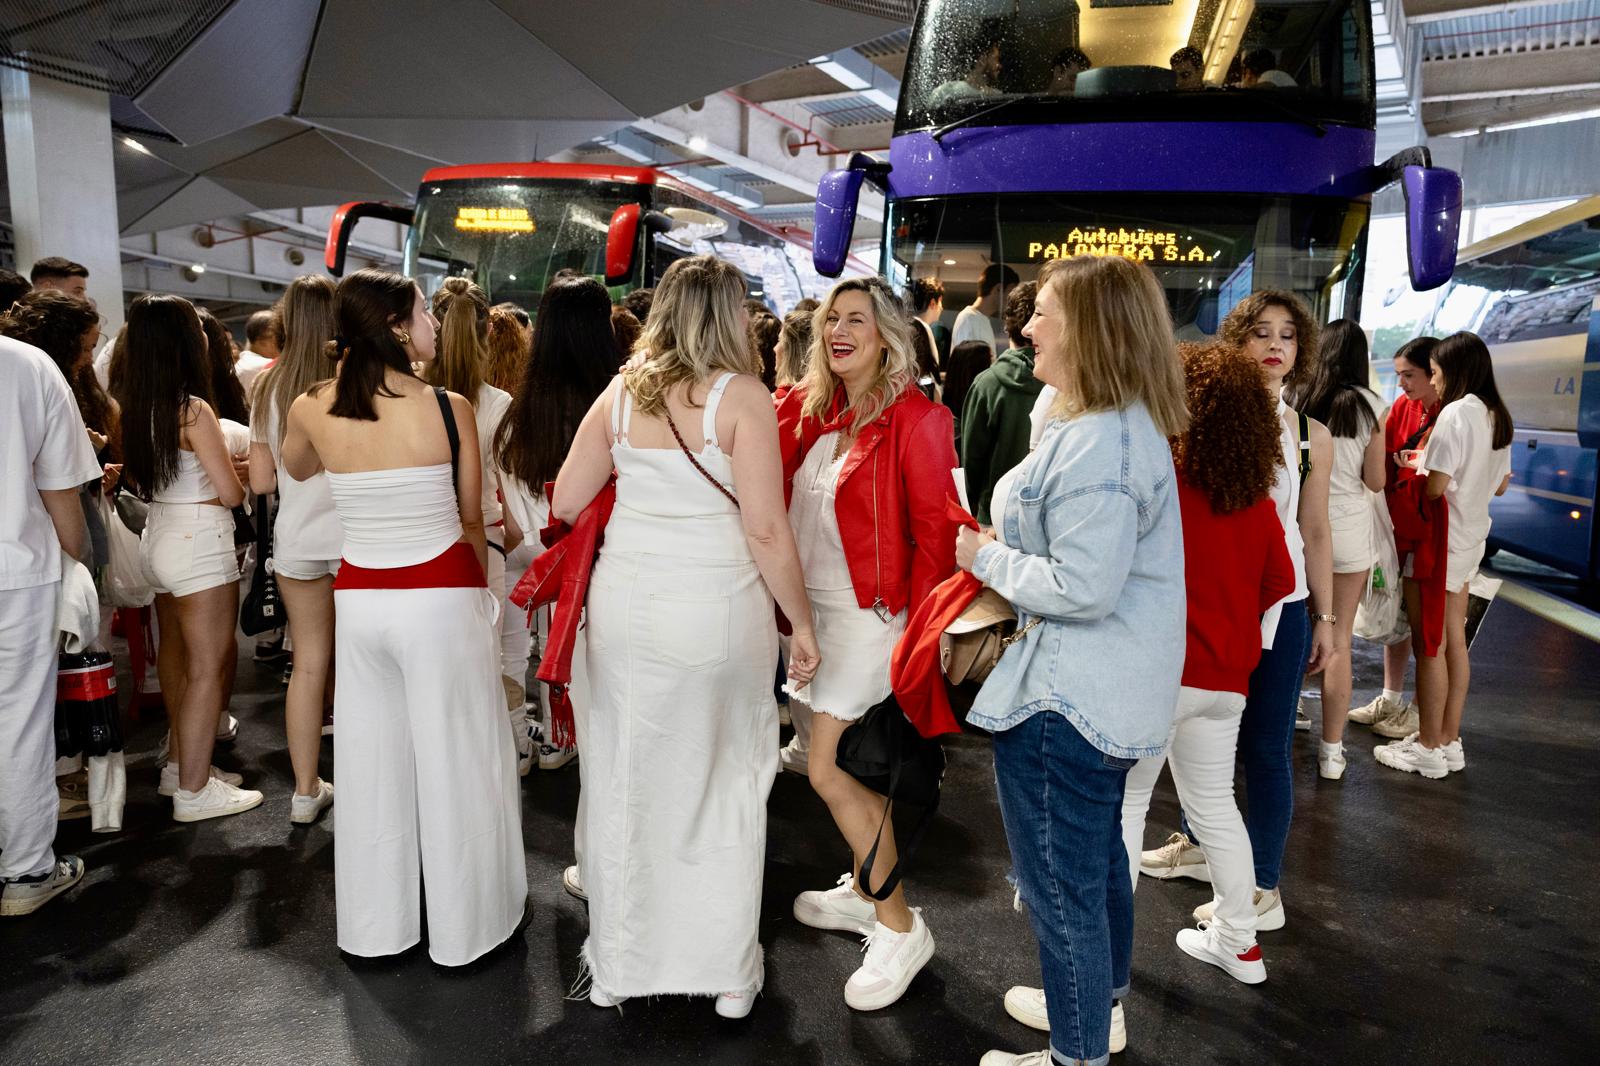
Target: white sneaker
point(1455, 758)
point(1302, 720)
point(303, 810)
point(739, 1004)
point(1205, 945)
point(169, 779)
point(572, 881)
point(893, 959)
point(840, 907)
point(529, 737)
point(217, 800)
point(1269, 911)
point(1371, 712)
point(1410, 756)
point(24, 897)
point(227, 729)
point(1006, 1058)
point(795, 759)
point(1119, 1030)
point(1400, 723)
point(554, 758)
point(1178, 857)
point(1026, 1005)
point(1331, 764)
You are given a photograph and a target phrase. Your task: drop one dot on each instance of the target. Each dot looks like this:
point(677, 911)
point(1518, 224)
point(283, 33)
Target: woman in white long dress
point(680, 735)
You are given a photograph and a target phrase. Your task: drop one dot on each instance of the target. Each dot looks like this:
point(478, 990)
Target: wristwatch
point(1328, 618)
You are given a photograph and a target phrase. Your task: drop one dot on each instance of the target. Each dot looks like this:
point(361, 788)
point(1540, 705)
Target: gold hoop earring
point(402, 336)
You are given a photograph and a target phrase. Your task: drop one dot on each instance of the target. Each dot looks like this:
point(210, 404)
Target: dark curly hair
point(1231, 450)
point(56, 324)
point(1235, 329)
point(1019, 308)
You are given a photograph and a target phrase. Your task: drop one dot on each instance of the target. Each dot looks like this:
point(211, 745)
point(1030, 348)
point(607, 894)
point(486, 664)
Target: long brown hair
point(463, 313)
point(167, 365)
point(371, 303)
point(1231, 450)
point(507, 348)
point(309, 318)
point(1468, 370)
point(228, 398)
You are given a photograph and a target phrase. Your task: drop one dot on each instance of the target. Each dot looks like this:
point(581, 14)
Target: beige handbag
point(970, 646)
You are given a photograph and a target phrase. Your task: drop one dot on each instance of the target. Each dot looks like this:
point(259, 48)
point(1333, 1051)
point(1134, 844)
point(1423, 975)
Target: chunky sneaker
point(1119, 1029)
point(227, 729)
point(1026, 1005)
point(1330, 764)
point(554, 758)
point(73, 795)
point(893, 959)
point(1380, 707)
point(1269, 910)
point(1302, 720)
point(794, 758)
point(840, 907)
point(303, 810)
point(1455, 759)
point(217, 800)
point(27, 894)
point(1178, 857)
point(1006, 1058)
point(1401, 723)
point(1204, 944)
point(739, 1004)
point(572, 881)
point(169, 779)
point(1410, 756)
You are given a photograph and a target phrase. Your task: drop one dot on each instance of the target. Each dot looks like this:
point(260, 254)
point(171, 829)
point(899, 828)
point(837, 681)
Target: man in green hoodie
point(994, 421)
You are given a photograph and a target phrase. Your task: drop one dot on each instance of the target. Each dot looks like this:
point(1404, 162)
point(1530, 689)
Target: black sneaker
point(270, 651)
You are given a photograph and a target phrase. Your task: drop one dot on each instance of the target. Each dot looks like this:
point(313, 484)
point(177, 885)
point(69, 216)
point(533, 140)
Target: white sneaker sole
point(1432, 774)
point(1020, 1007)
point(179, 815)
point(570, 882)
point(809, 914)
point(307, 817)
point(865, 1001)
point(558, 761)
point(1331, 771)
point(1243, 973)
point(1200, 872)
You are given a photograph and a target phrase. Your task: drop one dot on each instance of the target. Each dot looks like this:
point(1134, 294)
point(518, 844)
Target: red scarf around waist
point(456, 567)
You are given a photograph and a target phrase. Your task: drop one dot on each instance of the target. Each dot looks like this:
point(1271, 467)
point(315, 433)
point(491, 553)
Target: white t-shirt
point(43, 445)
point(102, 363)
point(489, 412)
point(1039, 416)
point(1345, 487)
point(974, 325)
point(307, 528)
point(247, 366)
point(1461, 446)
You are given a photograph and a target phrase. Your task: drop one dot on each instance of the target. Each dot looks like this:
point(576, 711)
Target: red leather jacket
point(899, 541)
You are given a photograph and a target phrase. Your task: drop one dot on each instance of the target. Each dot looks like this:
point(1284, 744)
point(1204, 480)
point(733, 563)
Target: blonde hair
point(694, 329)
point(1117, 346)
point(1237, 324)
point(795, 349)
point(896, 371)
point(310, 317)
point(463, 354)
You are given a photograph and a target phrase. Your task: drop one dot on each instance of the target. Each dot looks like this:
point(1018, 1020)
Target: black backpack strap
point(1305, 446)
point(451, 432)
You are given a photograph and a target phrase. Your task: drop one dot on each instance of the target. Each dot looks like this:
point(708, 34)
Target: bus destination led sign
point(494, 220)
point(1143, 245)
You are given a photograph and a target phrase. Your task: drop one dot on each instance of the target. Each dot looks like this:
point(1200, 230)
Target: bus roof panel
point(556, 171)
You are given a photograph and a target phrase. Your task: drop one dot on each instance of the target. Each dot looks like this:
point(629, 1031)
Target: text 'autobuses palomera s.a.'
point(511, 227)
point(1533, 294)
point(1226, 143)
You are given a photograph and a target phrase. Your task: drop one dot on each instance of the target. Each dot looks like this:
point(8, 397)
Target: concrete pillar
point(63, 187)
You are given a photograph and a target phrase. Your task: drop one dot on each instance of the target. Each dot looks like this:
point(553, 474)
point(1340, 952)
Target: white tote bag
point(125, 581)
point(1380, 616)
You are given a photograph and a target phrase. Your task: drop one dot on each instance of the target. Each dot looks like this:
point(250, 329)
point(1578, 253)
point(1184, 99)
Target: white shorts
point(188, 548)
point(304, 569)
point(1351, 525)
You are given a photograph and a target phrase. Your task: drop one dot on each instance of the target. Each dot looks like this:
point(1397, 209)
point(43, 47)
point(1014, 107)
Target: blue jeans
point(1061, 799)
point(1266, 740)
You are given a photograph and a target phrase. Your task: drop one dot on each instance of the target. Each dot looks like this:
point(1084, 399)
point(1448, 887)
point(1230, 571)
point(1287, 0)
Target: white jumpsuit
point(427, 769)
point(679, 739)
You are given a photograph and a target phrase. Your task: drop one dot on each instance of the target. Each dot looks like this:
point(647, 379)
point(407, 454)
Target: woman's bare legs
point(1433, 679)
point(1457, 664)
point(171, 659)
point(1396, 657)
point(207, 619)
point(857, 810)
point(310, 608)
point(1347, 591)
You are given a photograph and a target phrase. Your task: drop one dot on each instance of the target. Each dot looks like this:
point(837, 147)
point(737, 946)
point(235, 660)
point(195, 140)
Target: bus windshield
point(509, 235)
point(1208, 252)
point(1186, 60)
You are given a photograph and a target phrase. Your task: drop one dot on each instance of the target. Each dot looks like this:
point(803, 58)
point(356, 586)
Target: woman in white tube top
point(427, 769)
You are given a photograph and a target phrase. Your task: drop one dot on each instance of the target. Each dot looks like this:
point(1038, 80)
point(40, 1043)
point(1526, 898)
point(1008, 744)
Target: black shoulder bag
point(884, 751)
point(451, 432)
point(262, 609)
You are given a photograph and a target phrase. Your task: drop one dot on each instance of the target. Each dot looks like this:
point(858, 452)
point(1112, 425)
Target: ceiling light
point(949, 262)
point(511, 277)
point(198, 268)
point(135, 145)
point(697, 143)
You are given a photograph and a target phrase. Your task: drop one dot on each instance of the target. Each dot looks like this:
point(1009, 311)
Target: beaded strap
point(720, 487)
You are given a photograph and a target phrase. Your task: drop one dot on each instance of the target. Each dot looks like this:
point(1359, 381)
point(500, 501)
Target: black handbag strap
point(913, 842)
point(263, 517)
point(451, 432)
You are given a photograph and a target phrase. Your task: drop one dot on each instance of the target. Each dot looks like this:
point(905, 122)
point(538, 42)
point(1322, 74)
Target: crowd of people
point(777, 495)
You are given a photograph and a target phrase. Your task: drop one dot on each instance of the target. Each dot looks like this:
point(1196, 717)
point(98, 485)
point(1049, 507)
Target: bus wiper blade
point(967, 120)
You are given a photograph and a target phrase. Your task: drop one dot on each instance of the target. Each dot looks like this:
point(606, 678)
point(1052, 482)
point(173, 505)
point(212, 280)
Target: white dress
point(679, 738)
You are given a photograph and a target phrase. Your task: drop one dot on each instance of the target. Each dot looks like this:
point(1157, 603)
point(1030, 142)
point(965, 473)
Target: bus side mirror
point(835, 220)
point(622, 238)
point(1433, 224)
point(344, 220)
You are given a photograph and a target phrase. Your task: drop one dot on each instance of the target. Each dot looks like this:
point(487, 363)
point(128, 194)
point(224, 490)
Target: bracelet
point(1328, 618)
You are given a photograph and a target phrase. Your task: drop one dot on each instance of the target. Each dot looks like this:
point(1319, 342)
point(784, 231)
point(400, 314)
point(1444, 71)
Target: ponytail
point(463, 313)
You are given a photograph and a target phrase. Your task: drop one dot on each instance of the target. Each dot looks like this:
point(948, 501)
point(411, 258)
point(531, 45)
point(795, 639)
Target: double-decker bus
point(1226, 143)
point(1533, 294)
point(510, 227)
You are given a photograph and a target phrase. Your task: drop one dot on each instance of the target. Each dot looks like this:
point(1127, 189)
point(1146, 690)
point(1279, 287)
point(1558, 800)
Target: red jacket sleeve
point(1277, 578)
point(928, 457)
point(791, 449)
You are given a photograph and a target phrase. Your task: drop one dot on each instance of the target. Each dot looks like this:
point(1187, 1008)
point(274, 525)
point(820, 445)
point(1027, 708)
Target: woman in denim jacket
point(1090, 553)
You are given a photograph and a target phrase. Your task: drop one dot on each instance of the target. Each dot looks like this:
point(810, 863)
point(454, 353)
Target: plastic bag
point(1381, 616)
point(125, 581)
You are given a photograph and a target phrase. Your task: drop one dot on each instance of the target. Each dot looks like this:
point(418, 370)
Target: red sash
point(454, 568)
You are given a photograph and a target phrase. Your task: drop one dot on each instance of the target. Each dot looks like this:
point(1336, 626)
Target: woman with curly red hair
point(1227, 462)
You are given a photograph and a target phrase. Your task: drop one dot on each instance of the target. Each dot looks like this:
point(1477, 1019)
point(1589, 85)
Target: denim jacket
point(1096, 553)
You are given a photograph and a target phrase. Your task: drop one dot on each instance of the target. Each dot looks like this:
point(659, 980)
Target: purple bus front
point(1228, 144)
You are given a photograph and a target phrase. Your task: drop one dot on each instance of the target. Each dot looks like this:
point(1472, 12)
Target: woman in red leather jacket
point(867, 462)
